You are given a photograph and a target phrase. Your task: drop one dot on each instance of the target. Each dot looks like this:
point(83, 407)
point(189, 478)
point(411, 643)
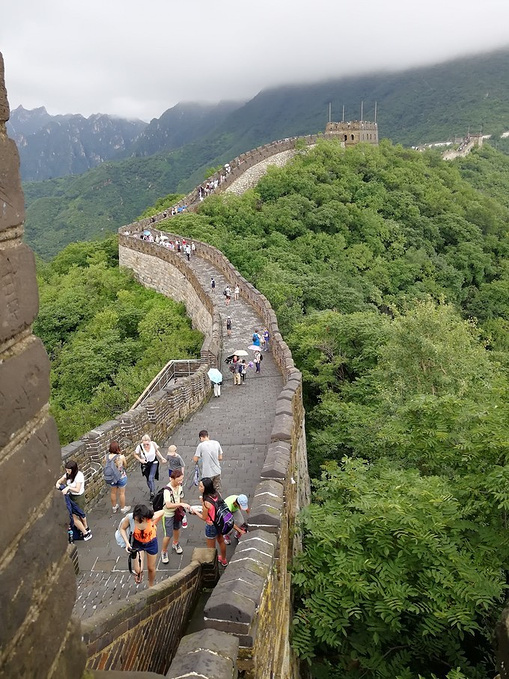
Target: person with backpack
point(115, 476)
point(143, 539)
point(173, 513)
point(218, 518)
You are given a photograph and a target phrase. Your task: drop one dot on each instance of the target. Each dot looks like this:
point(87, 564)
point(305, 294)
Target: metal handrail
point(171, 371)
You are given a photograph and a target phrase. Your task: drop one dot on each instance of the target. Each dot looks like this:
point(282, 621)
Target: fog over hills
point(172, 152)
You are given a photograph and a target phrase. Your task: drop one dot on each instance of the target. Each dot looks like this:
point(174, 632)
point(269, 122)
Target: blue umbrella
point(215, 376)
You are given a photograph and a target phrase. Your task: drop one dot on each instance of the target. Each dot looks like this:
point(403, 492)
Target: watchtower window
point(352, 137)
point(345, 138)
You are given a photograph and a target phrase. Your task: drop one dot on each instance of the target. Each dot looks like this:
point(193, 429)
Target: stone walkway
point(241, 420)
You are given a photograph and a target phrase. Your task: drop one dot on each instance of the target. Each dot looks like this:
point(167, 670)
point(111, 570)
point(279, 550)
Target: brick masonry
point(38, 637)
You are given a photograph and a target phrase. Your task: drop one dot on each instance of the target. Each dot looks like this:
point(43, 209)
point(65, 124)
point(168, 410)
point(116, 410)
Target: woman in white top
point(73, 484)
point(149, 455)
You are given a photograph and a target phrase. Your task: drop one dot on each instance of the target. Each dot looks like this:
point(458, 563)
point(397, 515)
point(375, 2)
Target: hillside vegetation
point(388, 272)
point(420, 105)
point(106, 335)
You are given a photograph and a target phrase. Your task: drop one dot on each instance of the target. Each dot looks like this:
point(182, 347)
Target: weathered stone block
point(4, 104)
point(19, 299)
point(34, 455)
point(202, 663)
point(24, 388)
point(282, 429)
point(242, 588)
point(217, 642)
point(12, 210)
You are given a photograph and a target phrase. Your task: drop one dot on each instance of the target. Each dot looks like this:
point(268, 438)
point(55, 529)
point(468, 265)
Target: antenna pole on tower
point(343, 113)
point(330, 112)
point(375, 110)
point(362, 111)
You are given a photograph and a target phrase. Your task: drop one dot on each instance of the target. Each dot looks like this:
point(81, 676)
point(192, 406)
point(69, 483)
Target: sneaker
point(222, 561)
point(238, 535)
point(164, 557)
point(184, 521)
point(152, 495)
point(115, 509)
point(87, 535)
point(227, 540)
point(177, 548)
point(125, 509)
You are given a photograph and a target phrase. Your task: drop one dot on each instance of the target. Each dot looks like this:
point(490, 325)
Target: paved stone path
point(250, 178)
point(241, 420)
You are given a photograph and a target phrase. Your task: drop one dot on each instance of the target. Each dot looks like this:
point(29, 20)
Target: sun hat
point(243, 501)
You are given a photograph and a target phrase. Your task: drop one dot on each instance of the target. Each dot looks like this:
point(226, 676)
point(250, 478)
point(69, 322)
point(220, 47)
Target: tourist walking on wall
point(73, 484)
point(210, 497)
point(174, 460)
point(257, 360)
point(173, 514)
point(229, 326)
point(209, 454)
point(149, 455)
point(266, 338)
point(212, 284)
point(116, 477)
point(256, 338)
point(236, 293)
point(143, 539)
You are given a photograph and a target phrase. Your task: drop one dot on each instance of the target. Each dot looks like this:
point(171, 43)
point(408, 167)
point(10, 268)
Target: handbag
point(179, 511)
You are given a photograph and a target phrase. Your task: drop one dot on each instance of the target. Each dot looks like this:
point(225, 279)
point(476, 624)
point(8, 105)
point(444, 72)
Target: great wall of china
point(245, 622)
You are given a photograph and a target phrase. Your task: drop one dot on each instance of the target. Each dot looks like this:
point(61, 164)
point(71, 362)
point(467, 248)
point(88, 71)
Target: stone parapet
point(143, 635)
point(208, 654)
point(157, 416)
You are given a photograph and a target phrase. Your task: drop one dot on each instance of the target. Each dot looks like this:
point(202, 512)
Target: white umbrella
point(240, 352)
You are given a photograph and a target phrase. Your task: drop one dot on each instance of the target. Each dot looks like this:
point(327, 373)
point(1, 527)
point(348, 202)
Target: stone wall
point(143, 635)
point(253, 598)
point(159, 414)
point(238, 166)
point(38, 637)
point(156, 416)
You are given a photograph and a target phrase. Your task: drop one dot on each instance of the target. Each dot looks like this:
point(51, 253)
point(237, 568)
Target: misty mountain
point(414, 106)
point(181, 125)
point(56, 146)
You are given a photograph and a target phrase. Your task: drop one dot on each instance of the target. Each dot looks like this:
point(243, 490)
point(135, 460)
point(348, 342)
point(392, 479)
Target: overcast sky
point(137, 59)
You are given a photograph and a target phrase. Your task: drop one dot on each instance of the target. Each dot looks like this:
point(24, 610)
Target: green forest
point(388, 272)
point(106, 335)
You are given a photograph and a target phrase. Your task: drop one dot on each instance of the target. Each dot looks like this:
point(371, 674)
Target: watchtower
point(354, 132)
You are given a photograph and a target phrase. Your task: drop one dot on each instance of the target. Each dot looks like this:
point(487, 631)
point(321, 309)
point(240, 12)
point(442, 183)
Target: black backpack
point(223, 520)
point(158, 501)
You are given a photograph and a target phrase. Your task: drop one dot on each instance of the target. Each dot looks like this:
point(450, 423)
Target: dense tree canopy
point(107, 336)
point(388, 272)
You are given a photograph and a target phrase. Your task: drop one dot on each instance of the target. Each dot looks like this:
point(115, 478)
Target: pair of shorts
point(119, 484)
point(210, 531)
point(170, 524)
point(150, 547)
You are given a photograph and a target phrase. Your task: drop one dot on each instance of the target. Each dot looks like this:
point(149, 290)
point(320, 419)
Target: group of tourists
point(137, 531)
